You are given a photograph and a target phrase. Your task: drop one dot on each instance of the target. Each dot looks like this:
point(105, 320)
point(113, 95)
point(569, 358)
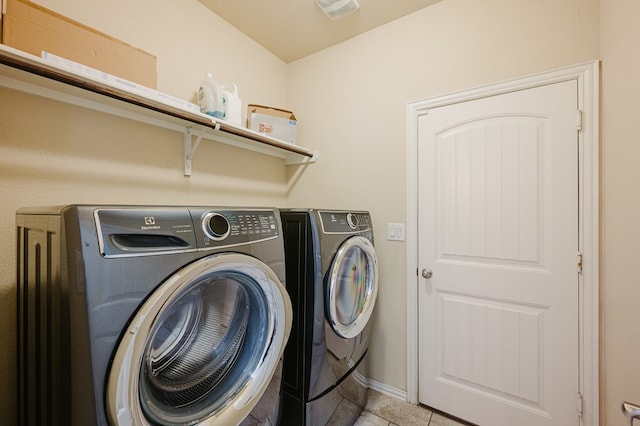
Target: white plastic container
point(210, 97)
point(232, 106)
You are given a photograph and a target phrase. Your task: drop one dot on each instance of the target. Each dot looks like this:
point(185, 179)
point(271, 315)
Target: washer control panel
point(136, 231)
point(340, 222)
point(234, 227)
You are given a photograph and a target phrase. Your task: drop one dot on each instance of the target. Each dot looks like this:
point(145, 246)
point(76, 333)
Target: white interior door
point(498, 229)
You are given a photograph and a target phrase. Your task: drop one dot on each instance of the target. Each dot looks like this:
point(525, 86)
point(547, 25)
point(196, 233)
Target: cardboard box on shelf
point(275, 122)
point(33, 29)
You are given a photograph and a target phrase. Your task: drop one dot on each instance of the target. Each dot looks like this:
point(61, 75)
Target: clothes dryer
point(149, 315)
point(332, 279)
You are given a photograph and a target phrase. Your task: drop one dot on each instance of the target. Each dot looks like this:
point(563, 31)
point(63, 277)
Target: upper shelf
point(27, 73)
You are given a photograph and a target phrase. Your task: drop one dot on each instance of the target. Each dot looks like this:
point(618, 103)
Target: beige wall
point(51, 153)
point(351, 101)
point(189, 41)
point(353, 98)
point(620, 211)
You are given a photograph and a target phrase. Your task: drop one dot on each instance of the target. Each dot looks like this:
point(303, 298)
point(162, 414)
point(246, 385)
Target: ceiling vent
point(338, 8)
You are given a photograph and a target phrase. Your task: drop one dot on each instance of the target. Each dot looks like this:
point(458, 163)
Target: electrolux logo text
point(149, 223)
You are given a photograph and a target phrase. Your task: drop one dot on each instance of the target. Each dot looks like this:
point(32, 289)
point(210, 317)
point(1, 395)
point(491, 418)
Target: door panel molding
point(587, 78)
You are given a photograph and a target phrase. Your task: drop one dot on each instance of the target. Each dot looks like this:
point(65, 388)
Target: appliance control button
point(217, 226)
point(352, 220)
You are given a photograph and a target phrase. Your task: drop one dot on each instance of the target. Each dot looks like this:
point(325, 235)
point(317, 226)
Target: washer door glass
point(203, 341)
point(352, 287)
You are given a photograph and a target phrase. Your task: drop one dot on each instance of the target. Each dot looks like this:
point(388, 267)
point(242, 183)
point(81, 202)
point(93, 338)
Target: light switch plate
point(395, 231)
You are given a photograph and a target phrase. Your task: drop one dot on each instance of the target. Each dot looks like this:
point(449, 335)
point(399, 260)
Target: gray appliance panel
point(326, 374)
point(93, 296)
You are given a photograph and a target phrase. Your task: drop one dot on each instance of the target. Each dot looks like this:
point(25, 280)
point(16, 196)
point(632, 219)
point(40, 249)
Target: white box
point(275, 122)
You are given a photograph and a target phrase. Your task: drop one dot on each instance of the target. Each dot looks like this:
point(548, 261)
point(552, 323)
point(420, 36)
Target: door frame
point(587, 75)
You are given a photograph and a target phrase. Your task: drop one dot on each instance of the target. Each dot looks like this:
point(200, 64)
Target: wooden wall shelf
point(30, 74)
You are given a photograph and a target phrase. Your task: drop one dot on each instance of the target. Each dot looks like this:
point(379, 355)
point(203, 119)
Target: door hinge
point(579, 120)
point(580, 404)
point(579, 262)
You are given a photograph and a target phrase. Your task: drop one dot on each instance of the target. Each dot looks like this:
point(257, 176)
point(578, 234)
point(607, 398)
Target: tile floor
point(383, 410)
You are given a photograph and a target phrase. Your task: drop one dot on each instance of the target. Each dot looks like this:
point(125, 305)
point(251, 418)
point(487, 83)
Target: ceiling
point(293, 29)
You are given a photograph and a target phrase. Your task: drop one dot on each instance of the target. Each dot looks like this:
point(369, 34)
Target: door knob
point(427, 273)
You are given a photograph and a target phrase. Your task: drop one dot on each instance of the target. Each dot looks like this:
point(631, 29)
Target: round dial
point(352, 220)
point(216, 226)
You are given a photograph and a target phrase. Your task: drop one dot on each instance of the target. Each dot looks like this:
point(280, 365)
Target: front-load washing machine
point(332, 279)
point(149, 315)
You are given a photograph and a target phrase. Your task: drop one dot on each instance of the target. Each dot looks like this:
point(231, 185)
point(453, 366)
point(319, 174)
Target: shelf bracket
point(302, 161)
point(189, 149)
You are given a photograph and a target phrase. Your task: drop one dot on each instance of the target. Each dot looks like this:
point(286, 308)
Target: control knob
point(216, 226)
point(352, 220)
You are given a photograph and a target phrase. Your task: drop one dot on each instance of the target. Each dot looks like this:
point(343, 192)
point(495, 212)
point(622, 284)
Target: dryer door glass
point(352, 287)
point(203, 338)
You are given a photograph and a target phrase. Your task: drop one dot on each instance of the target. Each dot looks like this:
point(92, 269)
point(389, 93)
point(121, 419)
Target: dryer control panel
point(343, 222)
point(222, 228)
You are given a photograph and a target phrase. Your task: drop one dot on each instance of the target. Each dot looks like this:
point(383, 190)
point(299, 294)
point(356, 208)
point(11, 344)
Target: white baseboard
point(387, 390)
